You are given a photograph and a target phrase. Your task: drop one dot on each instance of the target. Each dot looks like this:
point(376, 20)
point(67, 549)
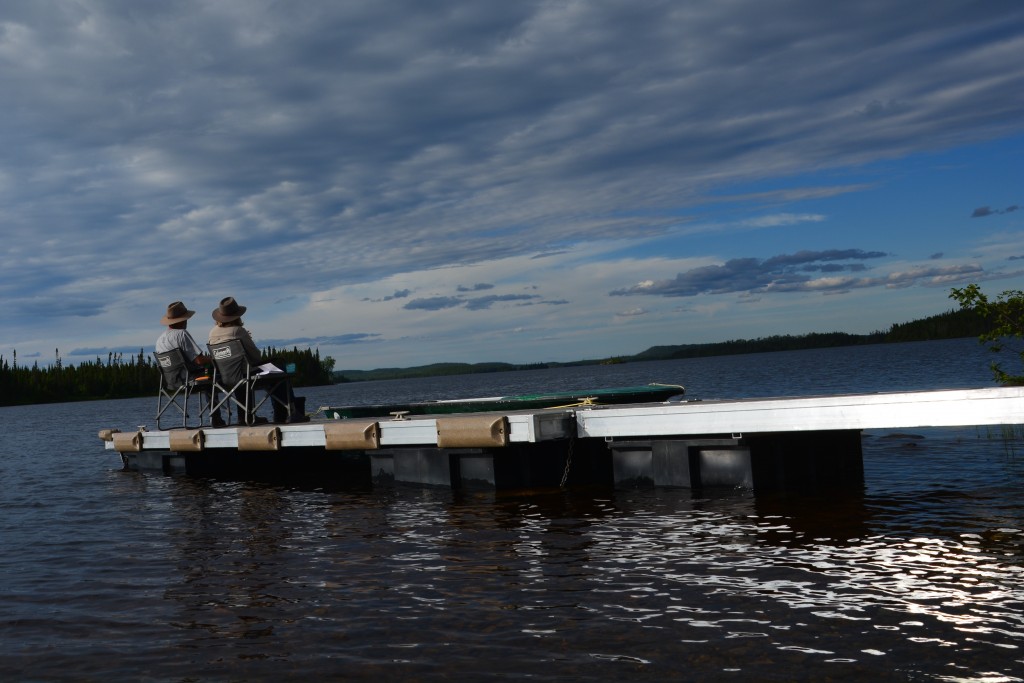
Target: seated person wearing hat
point(176, 336)
point(228, 317)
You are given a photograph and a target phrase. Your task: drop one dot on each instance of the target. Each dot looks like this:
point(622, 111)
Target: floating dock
point(763, 444)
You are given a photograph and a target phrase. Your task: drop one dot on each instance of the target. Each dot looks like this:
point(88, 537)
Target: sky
point(403, 182)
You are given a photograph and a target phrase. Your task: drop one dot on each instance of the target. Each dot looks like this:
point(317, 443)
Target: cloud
point(932, 277)
point(99, 351)
point(782, 273)
point(434, 303)
point(438, 303)
point(55, 307)
point(983, 211)
point(327, 340)
point(808, 258)
point(786, 274)
point(399, 294)
point(475, 288)
point(777, 220)
point(483, 302)
point(269, 152)
point(206, 130)
point(301, 342)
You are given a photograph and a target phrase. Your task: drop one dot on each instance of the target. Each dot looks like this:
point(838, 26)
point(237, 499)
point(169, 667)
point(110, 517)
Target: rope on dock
point(588, 401)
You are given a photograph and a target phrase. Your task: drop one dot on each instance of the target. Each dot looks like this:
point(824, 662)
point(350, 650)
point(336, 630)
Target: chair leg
point(205, 410)
point(184, 413)
point(248, 406)
point(218, 403)
point(172, 400)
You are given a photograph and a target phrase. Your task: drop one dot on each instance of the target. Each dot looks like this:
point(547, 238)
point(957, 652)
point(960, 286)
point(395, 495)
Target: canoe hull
point(649, 393)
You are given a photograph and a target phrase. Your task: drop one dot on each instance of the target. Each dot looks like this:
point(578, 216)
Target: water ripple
point(108, 575)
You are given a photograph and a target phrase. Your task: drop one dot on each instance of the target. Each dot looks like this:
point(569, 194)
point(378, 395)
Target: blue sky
point(400, 183)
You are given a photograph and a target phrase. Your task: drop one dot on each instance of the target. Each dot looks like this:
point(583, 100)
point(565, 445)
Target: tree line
point(127, 376)
point(997, 321)
point(953, 324)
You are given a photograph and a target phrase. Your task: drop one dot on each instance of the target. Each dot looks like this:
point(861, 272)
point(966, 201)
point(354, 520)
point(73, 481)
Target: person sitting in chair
point(176, 336)
point(228, 317)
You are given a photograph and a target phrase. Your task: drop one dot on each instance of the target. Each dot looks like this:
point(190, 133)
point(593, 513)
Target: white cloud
point(780, 219)
point(354, 150)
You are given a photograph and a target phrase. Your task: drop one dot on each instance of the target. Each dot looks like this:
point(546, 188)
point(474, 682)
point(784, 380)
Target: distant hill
point(433, 370)
point(950, 325)
point(815, 340)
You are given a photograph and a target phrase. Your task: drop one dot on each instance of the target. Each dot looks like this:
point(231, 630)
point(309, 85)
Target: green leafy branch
point(1005, 316)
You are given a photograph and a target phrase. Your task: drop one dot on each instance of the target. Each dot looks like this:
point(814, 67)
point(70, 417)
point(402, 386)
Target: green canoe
point(648, 393)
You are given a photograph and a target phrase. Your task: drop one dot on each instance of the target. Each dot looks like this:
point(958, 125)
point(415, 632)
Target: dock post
point(778, 461)
point(682, 463)
point(807, 461)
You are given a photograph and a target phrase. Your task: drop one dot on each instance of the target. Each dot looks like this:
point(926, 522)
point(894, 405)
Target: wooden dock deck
point(759, 443)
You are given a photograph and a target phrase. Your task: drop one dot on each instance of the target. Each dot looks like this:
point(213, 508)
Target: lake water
point(121, 576)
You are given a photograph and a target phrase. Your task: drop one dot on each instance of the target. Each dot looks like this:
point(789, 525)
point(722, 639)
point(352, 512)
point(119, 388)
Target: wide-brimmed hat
point(228, 310)
point(176, 313)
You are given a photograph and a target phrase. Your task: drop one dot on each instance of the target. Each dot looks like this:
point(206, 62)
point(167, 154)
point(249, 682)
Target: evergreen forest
point(123, 376)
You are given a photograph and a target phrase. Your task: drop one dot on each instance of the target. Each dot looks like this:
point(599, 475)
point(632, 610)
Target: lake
point(123, 576)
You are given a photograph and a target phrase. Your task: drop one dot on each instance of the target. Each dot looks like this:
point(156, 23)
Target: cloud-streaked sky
point(406, 182)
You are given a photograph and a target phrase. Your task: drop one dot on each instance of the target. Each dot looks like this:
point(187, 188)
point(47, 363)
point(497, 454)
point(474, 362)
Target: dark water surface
point(120, 576)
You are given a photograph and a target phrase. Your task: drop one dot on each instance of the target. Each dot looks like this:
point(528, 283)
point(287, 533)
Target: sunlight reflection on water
point(122, 576)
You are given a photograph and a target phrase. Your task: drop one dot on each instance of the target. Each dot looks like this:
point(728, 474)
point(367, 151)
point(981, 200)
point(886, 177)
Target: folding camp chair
point(237, 380)
point(179, 382)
